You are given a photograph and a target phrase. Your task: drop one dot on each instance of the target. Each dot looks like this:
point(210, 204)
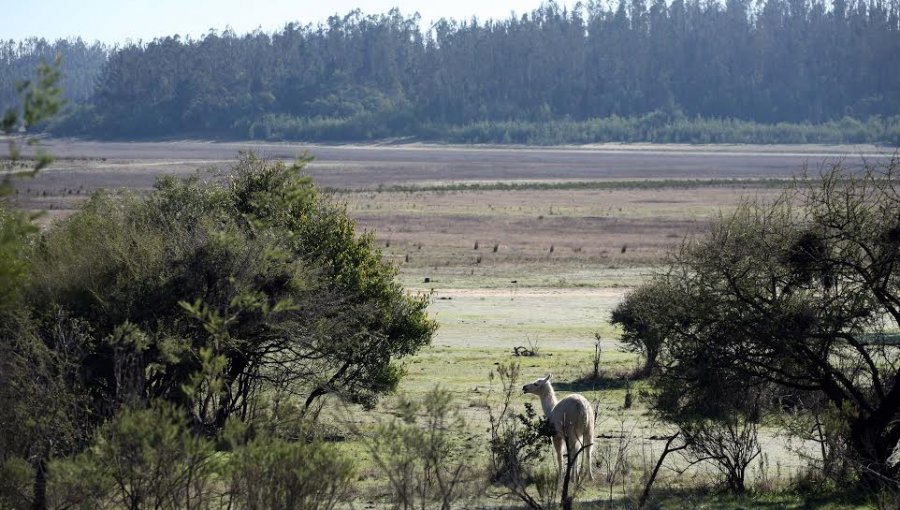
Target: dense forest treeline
point(685, 70)
point(80, 66)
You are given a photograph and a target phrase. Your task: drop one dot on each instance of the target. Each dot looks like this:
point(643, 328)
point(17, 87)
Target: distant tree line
point(802, 63)
point(80, 66)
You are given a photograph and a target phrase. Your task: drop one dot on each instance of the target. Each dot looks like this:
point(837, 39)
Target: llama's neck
point(548, 400)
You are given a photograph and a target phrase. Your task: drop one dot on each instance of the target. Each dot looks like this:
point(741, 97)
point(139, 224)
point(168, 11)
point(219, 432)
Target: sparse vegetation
point(427, 454)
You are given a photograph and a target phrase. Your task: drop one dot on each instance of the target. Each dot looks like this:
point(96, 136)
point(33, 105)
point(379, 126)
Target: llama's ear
point(547, 379)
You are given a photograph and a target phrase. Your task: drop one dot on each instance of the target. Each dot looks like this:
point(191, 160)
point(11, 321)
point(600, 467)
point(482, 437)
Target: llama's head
point(538, 387)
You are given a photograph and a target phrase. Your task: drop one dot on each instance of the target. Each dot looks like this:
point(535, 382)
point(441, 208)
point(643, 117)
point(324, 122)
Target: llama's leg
point(557, 445)
point(572, 448)
point(588, 439)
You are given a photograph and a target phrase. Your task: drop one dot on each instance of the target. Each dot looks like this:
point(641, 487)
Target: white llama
point(572, 419)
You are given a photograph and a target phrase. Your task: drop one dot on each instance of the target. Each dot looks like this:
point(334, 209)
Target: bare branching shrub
point(614, 458)
point(886, 497)
point(595, 359)
point(730, 445)
point(672, 446)
point(426, 454)
point(811, 419)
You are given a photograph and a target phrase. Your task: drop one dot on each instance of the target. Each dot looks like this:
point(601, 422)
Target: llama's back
point(573, 413)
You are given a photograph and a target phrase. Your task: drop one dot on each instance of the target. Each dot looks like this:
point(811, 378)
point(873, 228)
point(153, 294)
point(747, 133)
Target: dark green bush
point(268, 472)
point(206, 288)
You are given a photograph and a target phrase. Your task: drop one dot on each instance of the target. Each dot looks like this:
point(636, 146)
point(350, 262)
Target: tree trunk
point(871, 441)
point(651, 361)
point(39, 501)
point(642, 501)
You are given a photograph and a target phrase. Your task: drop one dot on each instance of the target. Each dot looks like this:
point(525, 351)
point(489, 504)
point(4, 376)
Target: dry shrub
point(426, 454)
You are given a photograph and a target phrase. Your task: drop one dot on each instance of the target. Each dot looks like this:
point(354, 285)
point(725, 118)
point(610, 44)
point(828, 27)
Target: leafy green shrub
point(14, 229)
point(426, 454)
point(77, 482)
point(203, 289)
point(16, 479)
point(143, 458)
point(153, 460)
point(641, 333)
point(659, 126)
point(268, 472)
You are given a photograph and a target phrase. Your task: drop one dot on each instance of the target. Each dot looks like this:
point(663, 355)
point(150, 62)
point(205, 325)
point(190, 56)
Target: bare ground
point(440, 229)
point(88, 164)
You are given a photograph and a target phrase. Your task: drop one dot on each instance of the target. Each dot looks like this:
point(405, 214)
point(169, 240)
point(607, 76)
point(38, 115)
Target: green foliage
point(800, 295)
point(678, 129)
point(42, 401)
point(268, 472)
point(150, 459)
point(206, 293)
point(29, 432)
point(641, 330)
point(79, 482)
point(635, 128)
point(16, 477)
point(426, 454)
point(14, 231)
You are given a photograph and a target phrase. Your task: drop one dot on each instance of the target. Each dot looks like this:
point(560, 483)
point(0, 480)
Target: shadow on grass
point(616, 503)
point(710, 499)
point(603, 382)
point(703, 498)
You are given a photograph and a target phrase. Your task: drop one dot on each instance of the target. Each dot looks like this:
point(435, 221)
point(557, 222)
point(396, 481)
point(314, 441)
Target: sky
point(117, 21)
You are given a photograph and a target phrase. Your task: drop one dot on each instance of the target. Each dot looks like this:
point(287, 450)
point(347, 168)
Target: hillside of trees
point(686, 70)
